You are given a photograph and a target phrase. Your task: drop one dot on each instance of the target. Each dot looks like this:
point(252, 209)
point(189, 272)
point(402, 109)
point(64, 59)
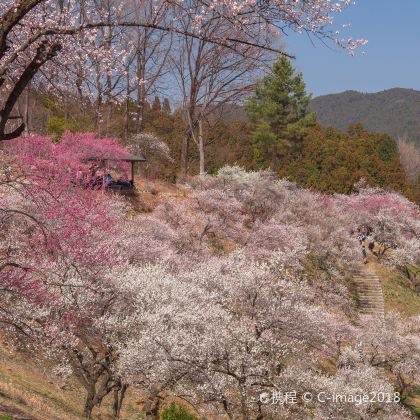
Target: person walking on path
point(364, 232)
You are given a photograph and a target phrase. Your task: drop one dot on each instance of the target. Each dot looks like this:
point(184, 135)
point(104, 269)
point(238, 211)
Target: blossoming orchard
point(223, 292)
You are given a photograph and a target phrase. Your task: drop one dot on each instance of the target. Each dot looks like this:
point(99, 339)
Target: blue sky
point(392, 58)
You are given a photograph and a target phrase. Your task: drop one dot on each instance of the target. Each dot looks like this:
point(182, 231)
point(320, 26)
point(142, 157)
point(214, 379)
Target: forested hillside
point(314, 156)
point(394, 111)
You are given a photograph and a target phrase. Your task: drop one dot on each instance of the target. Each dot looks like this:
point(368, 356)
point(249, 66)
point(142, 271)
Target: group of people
point(98, 178)
point(366, 238)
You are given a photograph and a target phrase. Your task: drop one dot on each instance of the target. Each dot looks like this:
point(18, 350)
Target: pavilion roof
point(128, 158)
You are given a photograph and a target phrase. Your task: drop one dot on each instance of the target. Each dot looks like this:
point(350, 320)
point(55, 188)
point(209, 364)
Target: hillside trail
point(369, 290)
point(371, 305)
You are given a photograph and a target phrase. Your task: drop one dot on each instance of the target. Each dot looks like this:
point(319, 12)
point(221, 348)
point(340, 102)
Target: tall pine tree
point(278, 112)
point(166, 107)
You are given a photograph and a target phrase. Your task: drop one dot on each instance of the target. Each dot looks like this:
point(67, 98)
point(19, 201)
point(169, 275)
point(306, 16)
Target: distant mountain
point(394, 111)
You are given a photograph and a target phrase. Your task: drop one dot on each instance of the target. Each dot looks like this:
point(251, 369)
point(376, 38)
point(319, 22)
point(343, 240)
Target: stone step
point(377, 292)
point(371, 308)
point(370, 290)
point(368, 284)
point(364, 273)
point(371, 314)
point(370, 302)
point(370, 293)
point(375, 302)
point(372, 284)
point(371, 297)
point(371, 311)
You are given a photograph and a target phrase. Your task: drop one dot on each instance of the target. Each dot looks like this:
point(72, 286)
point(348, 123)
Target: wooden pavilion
point(132, 159)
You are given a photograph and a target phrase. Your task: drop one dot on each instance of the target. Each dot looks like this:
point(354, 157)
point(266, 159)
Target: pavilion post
point(132, 172)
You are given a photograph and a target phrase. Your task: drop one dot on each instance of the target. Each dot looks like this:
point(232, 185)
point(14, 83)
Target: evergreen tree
point(278, 112)
point(166, 107)
point(156, 106)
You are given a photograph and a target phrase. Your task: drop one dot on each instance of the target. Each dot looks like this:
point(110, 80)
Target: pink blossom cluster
point(41, 157)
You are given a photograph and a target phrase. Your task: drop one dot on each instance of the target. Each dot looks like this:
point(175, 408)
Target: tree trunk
point(43, 54)
point(227, 409)
point(188, 134)
point(119, 394)
point(201, 146)
point(89, 401)
point(273, 158)
point(127, 107)
point(98, 114)
point(66, 110)
point(148, 409)
point(108, 41)
point(244, 408)
point(109, 105)
point(140, 116)
point(156, 408)
point(151, 408)
point(185, 152)
point(26, 111)
point(141, 91)
point(126, 119)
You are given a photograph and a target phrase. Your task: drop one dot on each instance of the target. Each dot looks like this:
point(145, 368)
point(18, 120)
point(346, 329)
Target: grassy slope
point(30, 391)
point(399, 297)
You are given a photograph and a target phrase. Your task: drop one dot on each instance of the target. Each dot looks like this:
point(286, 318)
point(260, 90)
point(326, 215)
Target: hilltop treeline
point(321, 158)
point(393, 111)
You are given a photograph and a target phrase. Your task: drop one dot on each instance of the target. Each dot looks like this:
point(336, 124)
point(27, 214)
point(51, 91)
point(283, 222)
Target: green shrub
point(177, 413)
point(56, 126)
